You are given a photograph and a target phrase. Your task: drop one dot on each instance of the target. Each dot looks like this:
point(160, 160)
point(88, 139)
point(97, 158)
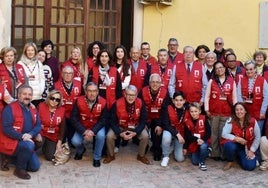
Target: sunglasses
point(55, 99)
point(218, 43)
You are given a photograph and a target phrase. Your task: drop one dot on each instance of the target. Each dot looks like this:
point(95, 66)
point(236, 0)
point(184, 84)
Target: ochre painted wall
point(195, 22)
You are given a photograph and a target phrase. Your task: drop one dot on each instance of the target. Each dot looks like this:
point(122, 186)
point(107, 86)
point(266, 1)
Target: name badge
point(31, 77)
point(248, 100)
point(51, 130)
point(154, 110)
point(69, 102)
point(223, 98)
point(197, 135)
point(102, 86)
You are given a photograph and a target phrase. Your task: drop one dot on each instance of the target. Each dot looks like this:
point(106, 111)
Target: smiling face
point(195, 112)
point(188, 54)
point(9, 58)
point(219, 69)
point(25, 96)
point(95, 50)
point(120, 53)
point(41, 56)
point(30, 52)
point(210, 60)
point(250, 70)
point(92, 92)
point(240, 111)
point(202, 53)
point(104, 59)
point(178, 101)
point(54, 100)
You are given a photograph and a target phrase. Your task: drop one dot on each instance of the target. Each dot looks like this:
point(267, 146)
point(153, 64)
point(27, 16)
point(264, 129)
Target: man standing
point(219, 50)
point(128, 121)
point(235, 71)
point(174, 55)
point(89, 117)
point(145, 54)
point(20, 125)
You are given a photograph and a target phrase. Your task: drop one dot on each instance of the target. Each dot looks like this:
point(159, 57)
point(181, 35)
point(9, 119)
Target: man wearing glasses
point(219, 50)
point(174, 55)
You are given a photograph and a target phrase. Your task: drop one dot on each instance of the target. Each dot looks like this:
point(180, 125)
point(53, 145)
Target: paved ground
point(126, 171)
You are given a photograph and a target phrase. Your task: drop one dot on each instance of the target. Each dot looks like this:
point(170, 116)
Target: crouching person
point(89, 117)
point(128, 120)
point(20, 128)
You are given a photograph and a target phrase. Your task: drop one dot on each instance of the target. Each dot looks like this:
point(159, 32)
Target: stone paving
point(126, 171)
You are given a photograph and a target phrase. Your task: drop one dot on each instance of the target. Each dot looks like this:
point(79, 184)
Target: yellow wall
point(195, 22)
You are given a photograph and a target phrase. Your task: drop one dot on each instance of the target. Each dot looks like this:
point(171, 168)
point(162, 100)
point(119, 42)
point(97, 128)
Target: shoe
point(157, 157)
point(209, 151)
point(228, 166)
point(96, 163)
point(216, 158)
point(143, 159)
point(79, 156)
point(4, 162)
point(264, 165)
point(202, 166)
point(124, 143)
point(116, 149)
point(164, 162)
point(108, 159)
point(22, 174)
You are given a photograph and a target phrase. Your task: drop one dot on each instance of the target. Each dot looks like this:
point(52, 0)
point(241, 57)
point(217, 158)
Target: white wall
point(5, 23)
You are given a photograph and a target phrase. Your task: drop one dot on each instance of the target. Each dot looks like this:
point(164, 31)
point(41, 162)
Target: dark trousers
point(156, 139)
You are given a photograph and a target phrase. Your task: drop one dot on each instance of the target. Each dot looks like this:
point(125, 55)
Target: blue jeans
point(200, 155)
point(26, 158)
point(78, 142)
point(232, 149)
point(166, 146)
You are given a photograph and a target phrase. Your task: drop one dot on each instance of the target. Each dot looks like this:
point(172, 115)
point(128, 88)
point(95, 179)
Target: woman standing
point(241, 137)
point(219, 98)
point(34, 71)
point(12, 75)
point(92, 52)
point(122, 65)
point(52, 118)
point(200, 53)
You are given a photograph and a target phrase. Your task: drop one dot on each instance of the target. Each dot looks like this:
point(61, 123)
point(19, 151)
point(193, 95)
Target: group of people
point(190, 106)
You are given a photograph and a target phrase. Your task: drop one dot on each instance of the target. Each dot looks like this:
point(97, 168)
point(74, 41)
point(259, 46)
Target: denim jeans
point(26, 158)
point(167, 147)
point(78, 142)
point(232, 149)
point(201, 154)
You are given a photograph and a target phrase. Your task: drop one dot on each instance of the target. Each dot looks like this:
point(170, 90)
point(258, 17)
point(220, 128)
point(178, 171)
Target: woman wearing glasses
point(53, 123)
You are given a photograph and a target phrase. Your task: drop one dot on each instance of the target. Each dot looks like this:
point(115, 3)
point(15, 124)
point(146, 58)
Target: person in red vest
point(20, 127)
point(70, 89)
point(155, 97)
point(200, 53)
point(52, 116)
point(252, 89)
point(128, 121)
point(89, 117)
point(189, 77)
point(200, 133)
point(174, 55)
point(12, 75)
point(163, 67)
point(236, 71)
point(219, 99)
point(173, 118)
point(140, 70)
point(145, 54)
point(92, 52)
point(241, 138)
point(262, 68)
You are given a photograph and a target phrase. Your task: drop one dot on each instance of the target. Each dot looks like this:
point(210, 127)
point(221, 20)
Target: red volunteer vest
point(90, 63)
point(137, 78)
point(7, 144)
point(166, 75)
point(2, 94)
point(69, 100)
point(178, 59)
point(51, 124)
point(88, 118)
point(218, 106)
point(255, 107)
point(153, 107)
point(199, 128)
point(190, 83)
point(126, 121)
point(151, 60)
point(111, 89)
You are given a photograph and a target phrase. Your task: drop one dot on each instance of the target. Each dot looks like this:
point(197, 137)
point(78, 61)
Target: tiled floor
point(127, 172)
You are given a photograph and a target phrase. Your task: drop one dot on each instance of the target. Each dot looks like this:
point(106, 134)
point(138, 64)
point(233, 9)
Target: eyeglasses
point(55, 99)
point(69, 73)
point(218, 43)
point(231, 61)
point(250, 69)
point(130, 95)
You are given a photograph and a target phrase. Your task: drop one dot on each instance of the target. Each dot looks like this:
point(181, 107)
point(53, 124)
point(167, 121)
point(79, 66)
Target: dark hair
point(99, 54)
point(125, 63)
point(262, 53)
point(201, 47)
point(215, 76)
point(178, 93)
point(247, 116)
point(229, 55)
point(90, 47)
point(44, 52)
point(47, 42)
point(145, 43)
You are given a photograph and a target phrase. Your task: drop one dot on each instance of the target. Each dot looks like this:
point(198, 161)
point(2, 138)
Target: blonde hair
point(26, 46)
point(51, 93)
point(80, 59)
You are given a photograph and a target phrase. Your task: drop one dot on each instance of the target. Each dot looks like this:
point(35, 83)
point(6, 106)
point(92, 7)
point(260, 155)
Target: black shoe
point(79, 156)
point(124, 143)
point(157, 158)
point(96, 163)
point(22, 174)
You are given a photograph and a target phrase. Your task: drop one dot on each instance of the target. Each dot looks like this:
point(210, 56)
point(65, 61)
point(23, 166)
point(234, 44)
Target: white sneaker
point(264, 165)
point(164, 162)
point(116, 149)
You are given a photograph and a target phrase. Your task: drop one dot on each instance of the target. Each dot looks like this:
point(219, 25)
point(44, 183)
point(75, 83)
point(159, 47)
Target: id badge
point(18, 84)
point(223, 98)
point(197, 135)
point(248, 100)
point(31, 77)
point(77, 78)
point(102, 86)
point(51, 130)
point(154, 110)
point(69, 102)
point(131, 127)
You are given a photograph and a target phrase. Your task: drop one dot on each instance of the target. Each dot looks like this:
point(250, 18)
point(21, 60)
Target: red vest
point(247, 134)
point(137, 78)
point(111, 89)
point(7, 144)
point(199, 128)
point(153, 107)
point(88, 118)
point(178, 59)
point(151, 60)
point(5, 77)
point(69, 100)
point(190, 83)
point(51, 125)
point(175, 122)
point(90, 63)
point(255, 107)
point(218, 106)
point(2, 95)
point(166, 75)
point(125, 121)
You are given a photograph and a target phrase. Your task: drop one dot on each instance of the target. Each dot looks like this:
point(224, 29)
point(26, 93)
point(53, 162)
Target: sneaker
point(202, 166)
point(209, 151)
point(264, 165)
point(116, 149)
point(164, 162)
